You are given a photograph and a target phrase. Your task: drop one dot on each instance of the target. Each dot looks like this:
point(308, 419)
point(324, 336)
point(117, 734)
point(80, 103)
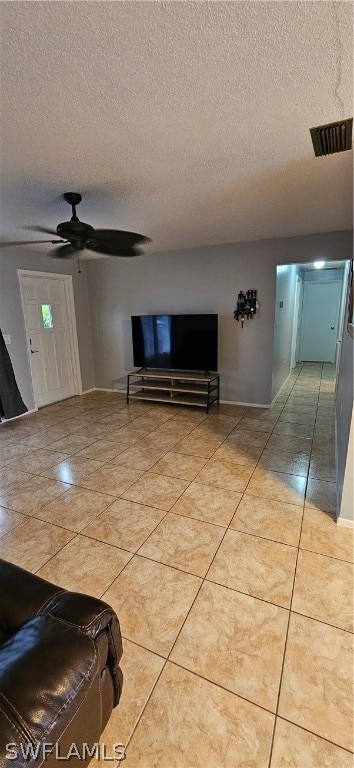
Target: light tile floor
point(214, 539)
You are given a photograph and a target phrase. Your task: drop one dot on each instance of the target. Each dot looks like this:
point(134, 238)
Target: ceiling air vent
point(333, 137)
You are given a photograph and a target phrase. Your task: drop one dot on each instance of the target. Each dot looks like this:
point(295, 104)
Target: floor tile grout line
point(133, 552)
point(313, 733)
point(322, 554)
point(321, 621)
point(143, 647)
point(247, 594)
point(47, 504)
point(10, 509)
point(35, 516)
point(61, 461)
point(220, 685)
point(262, 536)
point(145, 706)
point(75, 535)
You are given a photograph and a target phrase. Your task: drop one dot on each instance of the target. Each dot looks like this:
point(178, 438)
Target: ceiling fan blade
point(27, 242)
point(112, 248)
point(42, 229)
point(115, 242)
point(133, 252)
point(120, 236)
point(64, 252)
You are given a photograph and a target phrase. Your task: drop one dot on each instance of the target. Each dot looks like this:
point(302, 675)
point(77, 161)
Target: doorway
point(319, 323)
point(49, 316)
point(308, 316)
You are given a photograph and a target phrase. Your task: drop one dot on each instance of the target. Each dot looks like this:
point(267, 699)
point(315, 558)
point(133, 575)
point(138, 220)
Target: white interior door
point(296, 322)
point(50, 330)
point(319, 325)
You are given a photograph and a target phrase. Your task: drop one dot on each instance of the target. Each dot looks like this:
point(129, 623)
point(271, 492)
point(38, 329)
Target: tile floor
point(214, 539)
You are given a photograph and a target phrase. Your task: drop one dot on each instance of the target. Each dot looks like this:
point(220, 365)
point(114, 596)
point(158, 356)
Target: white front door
point(49, 329)
point(319, 325)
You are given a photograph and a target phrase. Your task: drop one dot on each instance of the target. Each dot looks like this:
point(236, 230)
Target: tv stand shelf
point(176, 387)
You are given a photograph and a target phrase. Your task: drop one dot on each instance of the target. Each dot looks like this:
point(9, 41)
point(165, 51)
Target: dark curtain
point(11, 403)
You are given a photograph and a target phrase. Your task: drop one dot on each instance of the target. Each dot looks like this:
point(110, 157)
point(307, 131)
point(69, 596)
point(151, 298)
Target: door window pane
point(47, 316)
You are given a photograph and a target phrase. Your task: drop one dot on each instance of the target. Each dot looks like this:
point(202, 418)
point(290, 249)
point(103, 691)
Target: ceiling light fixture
point(318, 264)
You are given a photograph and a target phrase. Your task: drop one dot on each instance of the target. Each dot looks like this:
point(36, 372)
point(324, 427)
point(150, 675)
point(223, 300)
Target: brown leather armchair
point(59, 673)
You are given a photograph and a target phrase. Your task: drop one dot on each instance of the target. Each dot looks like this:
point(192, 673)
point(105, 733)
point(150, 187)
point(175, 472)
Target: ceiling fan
point(76, 236)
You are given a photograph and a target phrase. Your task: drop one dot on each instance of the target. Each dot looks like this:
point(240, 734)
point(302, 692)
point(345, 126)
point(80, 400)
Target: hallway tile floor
point(214, 539)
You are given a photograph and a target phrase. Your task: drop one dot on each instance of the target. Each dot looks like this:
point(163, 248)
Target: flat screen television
point(177, 342)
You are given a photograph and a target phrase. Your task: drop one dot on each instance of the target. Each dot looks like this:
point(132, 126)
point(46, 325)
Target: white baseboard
point(282, 386)
point(224, 402)
point(86, 391)
point(249, 405)
point(104, 389)
point(345, 522)
point(20, 416)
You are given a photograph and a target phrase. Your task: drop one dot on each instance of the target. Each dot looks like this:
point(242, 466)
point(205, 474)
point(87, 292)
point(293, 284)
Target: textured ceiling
point(187, 121)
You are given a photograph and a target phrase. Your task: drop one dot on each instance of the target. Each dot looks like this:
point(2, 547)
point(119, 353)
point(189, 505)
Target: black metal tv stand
point(200, 389)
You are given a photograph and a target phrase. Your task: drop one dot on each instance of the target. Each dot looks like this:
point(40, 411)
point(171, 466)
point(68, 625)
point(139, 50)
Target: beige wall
point(202, 280)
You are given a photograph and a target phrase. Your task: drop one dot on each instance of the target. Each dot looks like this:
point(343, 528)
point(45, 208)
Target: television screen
point(178, 342)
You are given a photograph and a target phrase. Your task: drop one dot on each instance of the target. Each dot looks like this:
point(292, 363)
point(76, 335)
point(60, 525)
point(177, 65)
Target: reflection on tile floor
point(214, 539)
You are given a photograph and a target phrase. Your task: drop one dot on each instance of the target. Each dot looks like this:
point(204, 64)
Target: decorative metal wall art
point(247, 305)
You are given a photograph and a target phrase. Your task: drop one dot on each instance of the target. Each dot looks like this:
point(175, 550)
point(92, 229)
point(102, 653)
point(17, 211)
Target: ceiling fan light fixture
point(77, 236)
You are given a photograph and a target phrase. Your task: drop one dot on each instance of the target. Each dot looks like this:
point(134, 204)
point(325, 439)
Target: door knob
point(33, 351)
point(332, 327)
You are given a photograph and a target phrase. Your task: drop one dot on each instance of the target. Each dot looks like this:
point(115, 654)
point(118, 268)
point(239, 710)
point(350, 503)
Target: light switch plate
point(7, 338)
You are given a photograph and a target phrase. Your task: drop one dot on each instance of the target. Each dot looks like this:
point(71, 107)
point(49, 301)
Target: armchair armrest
point(48, 669)
point(93, 618)
point(24, 596)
